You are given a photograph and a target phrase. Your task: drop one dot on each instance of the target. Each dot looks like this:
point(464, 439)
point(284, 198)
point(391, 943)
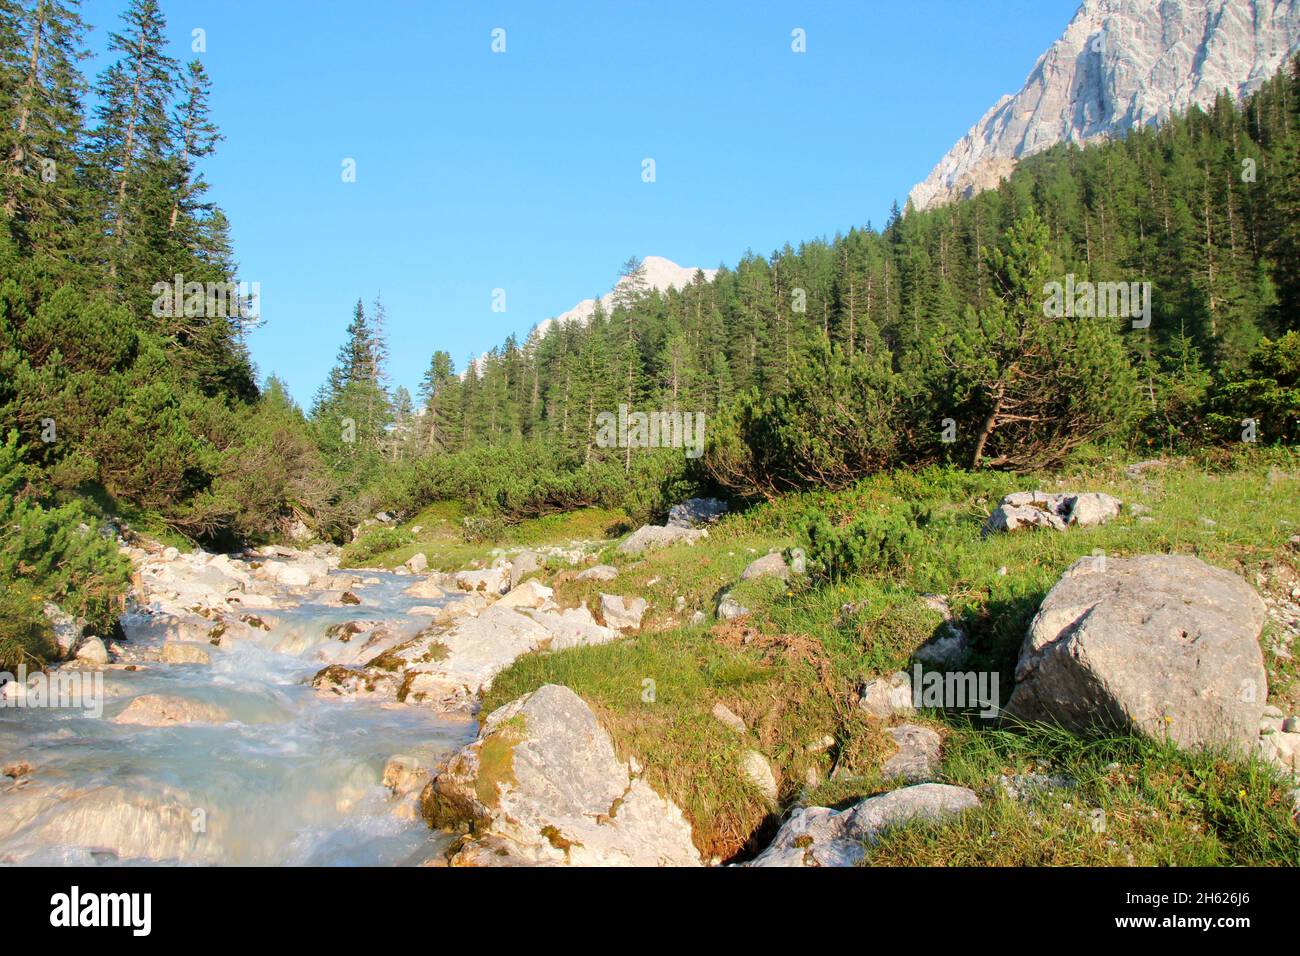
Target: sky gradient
point(522, 170)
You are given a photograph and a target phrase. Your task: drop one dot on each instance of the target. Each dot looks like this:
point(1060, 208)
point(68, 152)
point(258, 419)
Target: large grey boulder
point(694, 512)
point(651, 537)
point(542, 785)
point(819, 836)
point(1163, 645)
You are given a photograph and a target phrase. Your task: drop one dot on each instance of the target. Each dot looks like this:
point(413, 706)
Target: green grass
point(809, 648)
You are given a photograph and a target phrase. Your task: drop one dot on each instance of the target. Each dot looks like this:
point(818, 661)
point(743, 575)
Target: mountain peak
point(1119, 64)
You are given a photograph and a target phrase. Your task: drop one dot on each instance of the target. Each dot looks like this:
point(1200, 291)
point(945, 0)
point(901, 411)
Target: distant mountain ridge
point(1119, 64)
point(661, 275)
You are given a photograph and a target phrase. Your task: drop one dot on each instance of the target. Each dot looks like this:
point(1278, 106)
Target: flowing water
point(290, 778)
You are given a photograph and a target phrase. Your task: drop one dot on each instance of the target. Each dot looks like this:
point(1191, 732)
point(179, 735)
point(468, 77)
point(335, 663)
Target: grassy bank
point(792, 669)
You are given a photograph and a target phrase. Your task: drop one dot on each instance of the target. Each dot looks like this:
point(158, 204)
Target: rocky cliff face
point(1120, 64)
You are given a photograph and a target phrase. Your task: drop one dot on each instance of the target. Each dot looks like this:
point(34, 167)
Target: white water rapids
point(291, 777)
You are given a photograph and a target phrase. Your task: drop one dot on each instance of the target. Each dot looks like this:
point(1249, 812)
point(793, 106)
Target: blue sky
point(522, 170)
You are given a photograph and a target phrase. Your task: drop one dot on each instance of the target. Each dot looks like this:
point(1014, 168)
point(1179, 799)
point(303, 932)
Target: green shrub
point(372, 544)
point(870, 542)
point(1269, 394)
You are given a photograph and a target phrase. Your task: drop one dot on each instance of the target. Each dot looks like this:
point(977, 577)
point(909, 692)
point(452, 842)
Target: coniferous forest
point(922, 340)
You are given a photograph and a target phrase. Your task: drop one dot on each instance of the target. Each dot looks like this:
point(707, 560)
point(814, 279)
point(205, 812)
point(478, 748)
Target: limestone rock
point(694, 512)
point(417, 563)
point(886, 696)
point(186, 652)
point(771, 565)
point(531, 593)
point(1037, 509)
point(726, 716)
point(491, 581)
point(93, 652)
point(1164, 645)
point(542, 785)
point(523, 564)
point(917, 758)
point(164, 710)
point(758, 773)
point(599, 572)
point(729, 609)
point(622, 613)
point(1118, 65)
point(819, 836)
point(650, 537)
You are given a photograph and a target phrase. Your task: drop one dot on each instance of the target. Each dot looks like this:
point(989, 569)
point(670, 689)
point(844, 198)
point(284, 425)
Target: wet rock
point(886, 696)
point(820, 836)
point(622, 613)
point(917, 758)
point(1163, 645)
point(93, 652)
point(186, 653)
point(542, 785)
point(695, 512)
point(403, 775)
point(768, 566)
point(430, 587)
point(599, 572)
point(651, 537)
point(164, 710)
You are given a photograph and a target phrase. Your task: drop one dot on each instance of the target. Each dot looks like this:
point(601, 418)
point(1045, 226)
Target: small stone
point(725, 715)
point(599, 572)
point(347, 597)
point(769, 566)
point(698, 618)
point(729, 609)
point(1291, 725)
point(417, 563)
point(886, 696)
point(16, 770)
point(403, 774)
point(758, 772)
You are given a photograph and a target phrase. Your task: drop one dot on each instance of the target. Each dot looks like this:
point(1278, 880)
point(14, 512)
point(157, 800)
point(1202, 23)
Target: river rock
point(650, 537)
point(165, 710)
point(820, 836)
point(403, 775)
point(622, 613)
point(1164, 645)
point(542, 785)
point(523, 564)
point(67, 629)
point(694, 512)
point(599, 572)
point(492, 581)
point(93, 652)
point(430, 587)
point(532, 594)
point(768, 566)
point(186, 652)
